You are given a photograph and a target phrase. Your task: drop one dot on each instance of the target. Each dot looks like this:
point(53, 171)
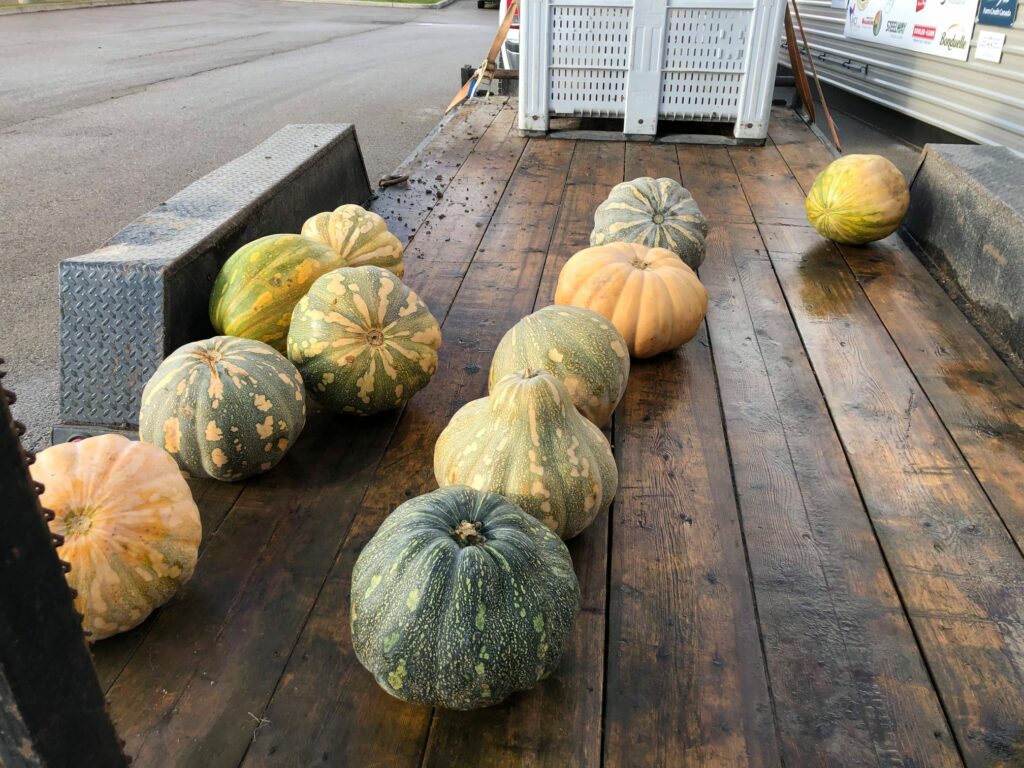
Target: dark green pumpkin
point(460, 599)
point(224, 408)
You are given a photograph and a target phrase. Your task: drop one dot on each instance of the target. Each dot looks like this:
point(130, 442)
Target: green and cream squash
point(224, 408)
point(528, 442)
point(658, 213)
point(579, 347)
point(363, 341)
point(259, 286)
point(360, 236)
point(461, 599)
point(858, 199)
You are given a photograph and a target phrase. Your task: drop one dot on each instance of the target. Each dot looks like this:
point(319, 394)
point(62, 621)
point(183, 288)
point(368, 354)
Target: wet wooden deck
point(814, 557)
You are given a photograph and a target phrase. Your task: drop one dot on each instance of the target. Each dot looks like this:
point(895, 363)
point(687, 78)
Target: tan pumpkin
point(131, 530)
point(528, 443)
point(360, 236)
point(651, 296)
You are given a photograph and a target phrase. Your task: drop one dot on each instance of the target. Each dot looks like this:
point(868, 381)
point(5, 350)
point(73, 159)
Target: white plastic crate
point(695, 60)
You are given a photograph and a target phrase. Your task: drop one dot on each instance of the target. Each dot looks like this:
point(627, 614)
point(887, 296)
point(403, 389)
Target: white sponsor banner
point(939, 27)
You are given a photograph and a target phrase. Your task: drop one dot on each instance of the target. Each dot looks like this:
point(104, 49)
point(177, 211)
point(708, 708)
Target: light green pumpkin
point(363, 341)
point(658, 213)
point(528, 442)
point(579, 347)
point(360, 236)
point(259, 286)
point(460, 599)
point(224, 408)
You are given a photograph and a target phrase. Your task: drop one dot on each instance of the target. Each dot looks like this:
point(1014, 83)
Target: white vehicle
point(508, 57)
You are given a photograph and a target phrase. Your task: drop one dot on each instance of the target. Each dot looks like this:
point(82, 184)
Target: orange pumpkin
point(651, 296)
point(131, 530)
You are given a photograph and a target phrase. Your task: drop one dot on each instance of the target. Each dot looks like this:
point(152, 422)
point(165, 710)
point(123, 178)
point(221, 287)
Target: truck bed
point(814, 556)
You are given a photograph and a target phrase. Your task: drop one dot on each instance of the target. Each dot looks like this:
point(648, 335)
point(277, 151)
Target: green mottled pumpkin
point(658, 213)
point(528, 442)
point(858, 199)
point(360, 236)
point(461, 599)
point(363, 341)
point(224, 408)
point(259, 286)
point(579, 347)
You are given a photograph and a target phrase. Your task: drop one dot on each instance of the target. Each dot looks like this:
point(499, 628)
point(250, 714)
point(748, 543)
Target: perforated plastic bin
point(641, 60)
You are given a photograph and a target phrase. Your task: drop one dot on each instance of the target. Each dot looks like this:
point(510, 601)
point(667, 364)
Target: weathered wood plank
point(959, 572)
point(686, 678)
point(432, 167)
point(803, 152)
point(709, 174)
point(559, 722)
point(979, 399)
point(327, 707)
point(849, 685)
point(214, 501)
point(772, 193)
point(597, 167)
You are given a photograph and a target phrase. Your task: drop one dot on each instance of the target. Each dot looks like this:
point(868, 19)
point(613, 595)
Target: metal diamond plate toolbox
point(127, 305)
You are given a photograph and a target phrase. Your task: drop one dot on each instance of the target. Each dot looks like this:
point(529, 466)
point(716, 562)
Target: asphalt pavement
point(106, 112)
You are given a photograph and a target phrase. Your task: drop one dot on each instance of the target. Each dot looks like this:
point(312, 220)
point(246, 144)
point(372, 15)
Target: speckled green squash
point(360, 236)
point(658, 213)
point(858, 199)
point(224, 408)
point(528, 442)
point(460, 599)
point(579, 347)
point(259, 286)
point(363, 341)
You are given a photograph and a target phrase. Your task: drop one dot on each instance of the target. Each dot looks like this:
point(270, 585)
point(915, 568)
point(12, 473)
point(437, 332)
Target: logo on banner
point(876, 25)
point(920, 5)
point(953, 39)
point(895, 27)
point(924, 33)
point(862, 5)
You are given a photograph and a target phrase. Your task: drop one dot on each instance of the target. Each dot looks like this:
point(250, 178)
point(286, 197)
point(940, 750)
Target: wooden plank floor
point(814, 557)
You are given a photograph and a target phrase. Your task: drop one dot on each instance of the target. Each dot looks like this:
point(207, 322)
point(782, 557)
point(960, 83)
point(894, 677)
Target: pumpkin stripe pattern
point(224, 408)
point(363, 341)
point(658, 213)
point(578, 347)
point(131, 530)
point(360, 236)
point(858, 199)
point(460, 599)
point(258, 287)
point(528, 442)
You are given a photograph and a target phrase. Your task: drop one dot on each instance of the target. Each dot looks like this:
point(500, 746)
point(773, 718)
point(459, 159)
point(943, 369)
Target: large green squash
point(259, 286)
point(529, 443)
point(460, 599)
point(658, 213)
point(579, 347)
point(363, 341)
point(225, 408)
point(858, 199)
point(360, 236)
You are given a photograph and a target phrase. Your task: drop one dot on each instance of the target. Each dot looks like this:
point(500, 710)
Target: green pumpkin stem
point(468, 533)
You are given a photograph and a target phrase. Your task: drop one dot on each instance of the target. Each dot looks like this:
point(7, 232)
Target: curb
point(370, 3)
point(38, 7)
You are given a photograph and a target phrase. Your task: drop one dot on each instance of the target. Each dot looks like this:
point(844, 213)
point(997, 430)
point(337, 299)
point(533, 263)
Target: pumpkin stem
point(528, 373)
point(468, 533)
point(374, 337)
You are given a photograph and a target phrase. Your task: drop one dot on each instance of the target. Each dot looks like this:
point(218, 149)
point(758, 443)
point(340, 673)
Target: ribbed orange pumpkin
point(131, 530)
point(654, 300)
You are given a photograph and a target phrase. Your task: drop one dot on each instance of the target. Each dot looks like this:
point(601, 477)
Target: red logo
point(924, 33)
point(920, 5)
